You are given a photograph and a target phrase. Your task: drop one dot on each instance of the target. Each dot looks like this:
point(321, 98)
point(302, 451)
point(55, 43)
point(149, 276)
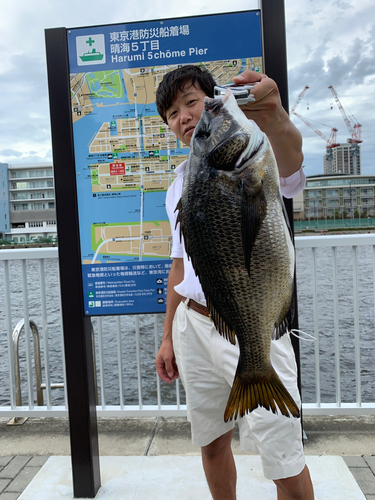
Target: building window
point(332, 192)
point(315, 194)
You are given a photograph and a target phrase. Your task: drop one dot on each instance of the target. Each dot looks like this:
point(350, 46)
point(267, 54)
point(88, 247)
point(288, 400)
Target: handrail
point(319, 245)
point(38, 365)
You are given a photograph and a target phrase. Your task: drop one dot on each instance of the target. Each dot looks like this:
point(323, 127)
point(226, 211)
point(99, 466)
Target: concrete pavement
point(24, 449)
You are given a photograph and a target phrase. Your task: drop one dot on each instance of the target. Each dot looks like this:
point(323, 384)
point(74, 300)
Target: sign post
point(77, 327)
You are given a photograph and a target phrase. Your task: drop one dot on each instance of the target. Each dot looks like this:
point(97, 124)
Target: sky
point(328, 43)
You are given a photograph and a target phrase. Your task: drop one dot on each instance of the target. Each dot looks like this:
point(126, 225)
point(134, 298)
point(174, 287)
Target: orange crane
point(354, 130)
point(298, 100)
point(331, 141)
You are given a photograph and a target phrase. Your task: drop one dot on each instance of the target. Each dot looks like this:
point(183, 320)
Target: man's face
point(185, 112)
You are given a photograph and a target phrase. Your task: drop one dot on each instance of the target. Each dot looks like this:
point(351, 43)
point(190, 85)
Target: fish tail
point(250, 392)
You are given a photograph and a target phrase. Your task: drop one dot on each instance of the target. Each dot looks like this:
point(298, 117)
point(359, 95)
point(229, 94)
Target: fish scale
point(232, 219)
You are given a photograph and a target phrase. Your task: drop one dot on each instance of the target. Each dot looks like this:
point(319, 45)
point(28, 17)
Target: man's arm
point(165, 361)
point(273, 120)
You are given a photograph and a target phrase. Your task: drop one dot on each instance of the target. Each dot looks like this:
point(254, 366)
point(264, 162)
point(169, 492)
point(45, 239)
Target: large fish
point(232, 219)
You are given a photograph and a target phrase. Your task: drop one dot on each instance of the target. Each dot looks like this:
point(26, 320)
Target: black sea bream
point(232, 220)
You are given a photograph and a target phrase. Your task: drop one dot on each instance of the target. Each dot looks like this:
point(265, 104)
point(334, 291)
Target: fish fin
point(250, 392)
point(284, 326)
point(179, 218)
point(286, 217)
point(220, 324)
point(253, 212)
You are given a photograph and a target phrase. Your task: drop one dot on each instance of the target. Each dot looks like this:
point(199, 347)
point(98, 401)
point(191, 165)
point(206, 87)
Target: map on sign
point(126, 159)
point(126, 156)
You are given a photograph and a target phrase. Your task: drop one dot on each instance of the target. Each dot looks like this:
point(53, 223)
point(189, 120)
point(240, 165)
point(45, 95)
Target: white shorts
point(207, 363)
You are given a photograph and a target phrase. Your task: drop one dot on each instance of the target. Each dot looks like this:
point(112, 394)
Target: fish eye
point(203, 131)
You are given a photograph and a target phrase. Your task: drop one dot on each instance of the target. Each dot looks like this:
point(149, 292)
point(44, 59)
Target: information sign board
point(125, 155)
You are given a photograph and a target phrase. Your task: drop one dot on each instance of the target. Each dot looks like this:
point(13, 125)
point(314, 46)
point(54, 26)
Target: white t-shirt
point(190, 286)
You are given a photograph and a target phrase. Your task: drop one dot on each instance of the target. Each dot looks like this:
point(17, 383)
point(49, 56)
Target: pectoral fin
point(253, 212)
point(285, 322)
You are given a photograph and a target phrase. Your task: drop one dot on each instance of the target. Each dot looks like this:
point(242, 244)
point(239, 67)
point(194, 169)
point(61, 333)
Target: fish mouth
point(233, 152)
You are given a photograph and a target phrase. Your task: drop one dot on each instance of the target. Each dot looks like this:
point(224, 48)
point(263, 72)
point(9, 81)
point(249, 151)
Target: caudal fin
point(249, 393)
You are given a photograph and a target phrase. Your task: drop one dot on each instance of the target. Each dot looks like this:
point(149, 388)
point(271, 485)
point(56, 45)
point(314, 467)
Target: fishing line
point(311, 339)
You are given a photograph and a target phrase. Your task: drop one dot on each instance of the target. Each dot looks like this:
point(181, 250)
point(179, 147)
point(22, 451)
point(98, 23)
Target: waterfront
point(147, 343)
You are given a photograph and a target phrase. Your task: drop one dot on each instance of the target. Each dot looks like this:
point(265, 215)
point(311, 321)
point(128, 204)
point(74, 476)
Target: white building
point(343, 159)
point(32, 202)
point(339, 195)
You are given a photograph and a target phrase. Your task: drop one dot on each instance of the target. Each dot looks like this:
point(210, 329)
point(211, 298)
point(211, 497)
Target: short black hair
point(176, 80)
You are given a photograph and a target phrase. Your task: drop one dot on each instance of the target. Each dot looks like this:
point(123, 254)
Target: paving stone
point(9, 496)
point(5, 460)
point(38, 461)
point(3, 484)
point(370, 460)
point(14, 466)
point(365, 479)
point(355, 461)
point(20, 482)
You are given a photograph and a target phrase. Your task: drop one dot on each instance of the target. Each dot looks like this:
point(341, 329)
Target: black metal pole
point(275, 63)
point(77, 327)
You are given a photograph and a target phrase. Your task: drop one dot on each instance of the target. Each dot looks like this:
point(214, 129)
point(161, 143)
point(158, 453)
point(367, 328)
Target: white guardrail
point(126, 376)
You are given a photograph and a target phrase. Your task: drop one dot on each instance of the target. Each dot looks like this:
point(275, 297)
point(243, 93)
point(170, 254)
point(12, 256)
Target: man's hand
point(165, 362)
point(267, 110)
point(270, 116)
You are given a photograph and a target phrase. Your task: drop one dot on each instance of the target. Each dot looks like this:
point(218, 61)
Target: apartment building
point(4, 200)
point(329, 195)
point(31, 202)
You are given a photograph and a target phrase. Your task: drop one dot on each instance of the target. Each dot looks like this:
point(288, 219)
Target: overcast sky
point(329, 43)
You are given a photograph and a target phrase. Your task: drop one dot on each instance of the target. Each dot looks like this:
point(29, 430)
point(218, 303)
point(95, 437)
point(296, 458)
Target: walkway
point(25, 449)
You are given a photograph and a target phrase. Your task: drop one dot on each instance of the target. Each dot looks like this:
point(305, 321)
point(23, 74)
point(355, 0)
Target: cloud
point(328, 43)
point(10, 152)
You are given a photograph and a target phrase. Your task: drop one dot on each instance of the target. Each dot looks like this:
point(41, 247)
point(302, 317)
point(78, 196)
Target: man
point(191, 346)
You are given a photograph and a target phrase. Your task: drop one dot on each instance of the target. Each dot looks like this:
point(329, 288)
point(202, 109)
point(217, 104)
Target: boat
point(91, 56)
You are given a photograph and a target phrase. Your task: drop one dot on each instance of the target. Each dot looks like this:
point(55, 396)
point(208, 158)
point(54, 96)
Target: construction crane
point(298, 100)
point(354, 130)
point(331, 141)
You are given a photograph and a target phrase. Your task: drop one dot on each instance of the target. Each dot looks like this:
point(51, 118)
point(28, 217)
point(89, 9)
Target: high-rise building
point(31, 202)
point(343, 159)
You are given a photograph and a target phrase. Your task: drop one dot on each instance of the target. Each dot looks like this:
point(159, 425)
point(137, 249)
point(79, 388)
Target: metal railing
point(125, 346)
